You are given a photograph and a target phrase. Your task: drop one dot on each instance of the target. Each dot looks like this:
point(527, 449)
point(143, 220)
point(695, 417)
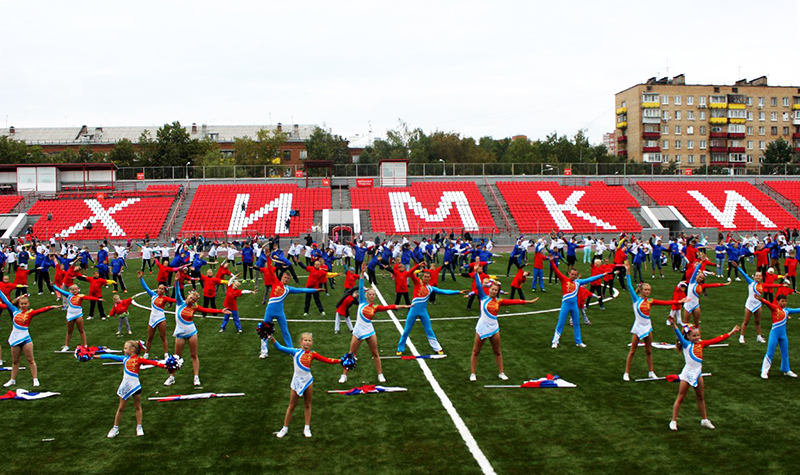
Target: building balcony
point(622, 139)
point(718, 120)
point(718, 149)
point(736, 150)
point(736, 106)
point(718, 135)
point(622, 153)
point(651, 149)
point(718, 105)
point(796, 107)
point(651, 135)
point(796, 135)
point(651, 105)
point(622, 110)
point(735, 135)
point(796, 121)
point(651, 120)
point(622, 125)
point(737, 121)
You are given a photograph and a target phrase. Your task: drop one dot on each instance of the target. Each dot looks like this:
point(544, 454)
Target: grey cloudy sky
point(496, 68)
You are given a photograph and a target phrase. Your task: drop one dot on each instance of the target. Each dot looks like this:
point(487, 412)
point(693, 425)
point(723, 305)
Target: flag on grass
point(25, 395)
point(368, 389)
point(184, 397)
point(548, 381)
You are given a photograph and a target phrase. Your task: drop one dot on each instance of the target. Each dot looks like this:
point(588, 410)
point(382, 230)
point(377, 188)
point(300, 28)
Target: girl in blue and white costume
point(20, 338)
point(752, 307)
point(130, 386)
point(694, 287)
point(692, 375)
point(158, 317)
point(569, 302)
point(488, 328)
point(419, 309)
point(302, 380)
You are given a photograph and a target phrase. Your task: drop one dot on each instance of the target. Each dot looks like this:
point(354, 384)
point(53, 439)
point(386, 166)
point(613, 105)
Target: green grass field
point(603, 425)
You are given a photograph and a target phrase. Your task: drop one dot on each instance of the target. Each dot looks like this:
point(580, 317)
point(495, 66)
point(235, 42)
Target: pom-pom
point(349, 361)
point(142, 346)
point(84, 353)
point(265, 330)
point(173, 362)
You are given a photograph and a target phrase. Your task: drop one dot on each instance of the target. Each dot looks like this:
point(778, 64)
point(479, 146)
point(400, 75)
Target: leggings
point(425, 319)
point(777, 337)
point(123, 320)
point(404, 295)
point(567, 309)
point(517, 290)
point(209, 302)
point(287, 338)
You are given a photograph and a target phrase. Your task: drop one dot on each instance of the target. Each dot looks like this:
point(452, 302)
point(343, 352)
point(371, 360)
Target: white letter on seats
point(728, 214)
point(240, 220)
point(399, 200)
point(570, 205)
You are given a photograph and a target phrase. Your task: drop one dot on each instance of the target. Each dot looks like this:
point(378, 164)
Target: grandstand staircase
point(643, 200)
point(179, 210)
point(497, 206)
point(780, 199)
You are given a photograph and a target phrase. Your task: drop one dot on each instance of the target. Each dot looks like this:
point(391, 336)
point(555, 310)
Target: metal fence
point(245, 172)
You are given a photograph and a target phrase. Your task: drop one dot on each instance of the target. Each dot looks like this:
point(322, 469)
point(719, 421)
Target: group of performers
point(422, 263)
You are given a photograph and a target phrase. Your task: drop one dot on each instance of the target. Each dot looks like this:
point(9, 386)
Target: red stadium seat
point(725, 205)
point(425, 208)
point(541, 207)
point(7, 202)
point(788, 189)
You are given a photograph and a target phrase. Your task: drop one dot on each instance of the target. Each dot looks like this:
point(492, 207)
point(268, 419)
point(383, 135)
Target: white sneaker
point(342, 379)
point(322, 314)
point(381, 378)
point(139, 431)
point(65, 348)
point(554, 345)
point(707, 424)
point(196, 380)
point(503, 376)
point(737, 280)
point(146, 356)
point(729, 279)
point(113, 433)
point(626, 377)
point(673, 425)
point(741, 339)
point(10, 383)
point(651, 374)
point(305, 315)
point(36, 381)
point(790, 374)
point(581, 345)
point(760, 339)
point(472, 377)
point(170, 381)
point(263, 355)
point(282, 433)
point(764, 375)
point(307, 432)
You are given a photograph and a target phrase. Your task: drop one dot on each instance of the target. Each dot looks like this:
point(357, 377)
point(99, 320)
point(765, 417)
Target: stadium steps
point(494, 208)
point(778, 198)
point(26, 204)
point(340, 198)
point(181, 213)
point(366, 222)
point(640, 195)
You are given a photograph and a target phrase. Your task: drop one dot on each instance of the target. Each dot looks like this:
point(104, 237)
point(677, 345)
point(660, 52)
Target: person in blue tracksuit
point(419, 309)
point(247, 262)
point(778, 336)
point(675, 252)
point(734, 253)
point(719, 254)
point(513, 258)
point(540, 255)
point(116, 272)
point(569, 303)
point(197, 268)
point(359, 252)
point(448, 261)
point(658, 250)
point(282, 264)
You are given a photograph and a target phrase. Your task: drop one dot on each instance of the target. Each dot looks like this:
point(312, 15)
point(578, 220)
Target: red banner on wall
point(568, 171)
point(140, 176)
point(687, 172)
point(364, 182)
point(326, 182)
point(298, 173)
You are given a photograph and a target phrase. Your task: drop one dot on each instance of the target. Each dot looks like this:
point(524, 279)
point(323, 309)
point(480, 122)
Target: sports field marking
point(472, 444)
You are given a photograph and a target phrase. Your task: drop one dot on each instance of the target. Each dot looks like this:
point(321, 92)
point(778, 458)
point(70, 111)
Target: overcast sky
point(498, 68)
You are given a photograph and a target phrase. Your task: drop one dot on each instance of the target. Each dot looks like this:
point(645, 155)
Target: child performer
point(777, 336)
point(120, 309)
point(74, 312)
point(20, 338)
point(158, 317)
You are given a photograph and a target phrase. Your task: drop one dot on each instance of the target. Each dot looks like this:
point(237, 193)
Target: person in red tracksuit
point(434, 282)
point(791, 268)
point(343, 310)
point(230, 303)
point(162, 278)
point(401, 276)
point(350, 280)
point(6, 286)
point(598, 288)
point(21, 279)
point(518, 281)
point(210, 283)
point(620, 256)
point(120, 310)
point(762, 259)
point(317, 277)
point(771, 278)
point(96, 290)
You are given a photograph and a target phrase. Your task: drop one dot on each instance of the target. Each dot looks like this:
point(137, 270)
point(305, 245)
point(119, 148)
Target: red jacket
point(791, 267)
point(163, 271)
point(21, 277)
point(316, 277)
point(95, 285)
point(230, 298)
point(121, 307)
point(210, 285)
point(519, 279)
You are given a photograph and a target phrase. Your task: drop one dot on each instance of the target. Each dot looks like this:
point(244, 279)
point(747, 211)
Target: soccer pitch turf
point(603, 425)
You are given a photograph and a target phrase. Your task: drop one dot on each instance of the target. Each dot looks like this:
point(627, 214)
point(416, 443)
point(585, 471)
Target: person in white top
point(588, 242)
point(231, 255)
point(11, 259)
point(147, 257)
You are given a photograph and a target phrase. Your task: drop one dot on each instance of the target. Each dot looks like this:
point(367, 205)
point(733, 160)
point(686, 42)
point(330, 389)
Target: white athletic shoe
point(581, 345)
point(651, 374)
point(707, 424)
point(65, 348)
point(554, 345)
point(626, 377)
point(263, 355)
point(673, 425)
point(307, 432)
point(503, 376)
point(741, 339)
point(139, 431)
point(36, 381)
point(790, 374)
point(10, 383)
point(737, 280)
point(170, 381)
point(381, 378)
point(322, 314)
point(729, 279)
point(342, 379)
point(764, 375)
point(760, 339)
point(113, 433)
point(305, 315)
point(472, 377)
point(282, 433)
point(146, 356)
point(196, 380)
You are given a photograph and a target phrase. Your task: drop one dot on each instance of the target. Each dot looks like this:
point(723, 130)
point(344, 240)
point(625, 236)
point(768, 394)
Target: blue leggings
point(778, 337)
point(538, 276)
point(281, 317)
point(568, 308)
point(235, 315)
point(425, 319)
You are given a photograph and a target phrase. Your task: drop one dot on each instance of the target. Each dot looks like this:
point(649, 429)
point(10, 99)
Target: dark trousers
point(43, 277)
point(148, 263)
point(209, 302)
point(99, 305)
point(315, 295)
point(403, 295)
point(515, 290)
point(118, 279)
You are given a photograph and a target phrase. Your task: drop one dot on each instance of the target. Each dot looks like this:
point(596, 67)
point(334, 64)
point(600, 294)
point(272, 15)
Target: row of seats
point(7, 202)
point(788, 189)
point(236, 210)
point(541, 207)
point(133, 218)
point(729, 205)
point(425, 208)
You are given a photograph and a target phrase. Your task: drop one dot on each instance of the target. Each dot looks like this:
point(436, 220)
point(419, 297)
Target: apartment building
point(666, 120)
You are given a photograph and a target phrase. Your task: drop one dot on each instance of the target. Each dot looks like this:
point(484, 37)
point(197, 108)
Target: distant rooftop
point(109, 135)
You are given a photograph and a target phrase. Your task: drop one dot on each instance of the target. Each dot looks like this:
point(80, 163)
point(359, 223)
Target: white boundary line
point(472, 444)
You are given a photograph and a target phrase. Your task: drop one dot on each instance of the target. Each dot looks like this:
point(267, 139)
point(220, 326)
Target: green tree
point(13, 151)
point(262, 150)
point(778, 151)
point(147, 150)
point(322, 145)
point(66, 156)
point(123, 154)
point(173, 145)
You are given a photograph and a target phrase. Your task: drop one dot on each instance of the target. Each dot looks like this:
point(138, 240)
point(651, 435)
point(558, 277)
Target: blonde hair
point(134, 344)
point(304, 334)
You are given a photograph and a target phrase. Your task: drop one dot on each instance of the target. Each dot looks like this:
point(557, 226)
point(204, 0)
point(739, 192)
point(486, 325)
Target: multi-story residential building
point(610, 141)
point(667, 120)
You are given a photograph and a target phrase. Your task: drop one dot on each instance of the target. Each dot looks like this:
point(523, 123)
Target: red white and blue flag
point(185, 397)
point(549, 381)
point(368, 389)
point(25, 395)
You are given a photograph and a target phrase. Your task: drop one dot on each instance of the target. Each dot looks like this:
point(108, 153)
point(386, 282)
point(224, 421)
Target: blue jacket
point(247, 255)
point(117, 264)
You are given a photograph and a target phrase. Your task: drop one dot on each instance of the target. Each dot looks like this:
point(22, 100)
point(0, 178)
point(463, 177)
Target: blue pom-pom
point(265, 330)
point(349, 361)
point(173, 362)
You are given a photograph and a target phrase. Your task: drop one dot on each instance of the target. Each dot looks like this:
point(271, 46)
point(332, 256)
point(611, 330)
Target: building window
point(677, 100)
point(690, 144)
point(749, 115)
point(677, 115)
point(749, 145)
point(762, 130)
point(702, 115)
point(689, 115)
point(678, 144)
point(786, 117)
point(702, 130)
point(785, 102)
point(665, 158)
point(665, 100)
point(303, 154)
point(665, 130)
point(773, 116)
point(665, 145)
point(762, 145)
point(786, 131)
point(690, 129)
point(677, 130)
point(690, 159)
point(761, 159)
point(287, 155)
point(760, 102)
point(677, 159)
point(749, 101)
point(762, 116)
point(702, 159)
point(702, 101)
point(665, 115)
point(773, 101)
point(689, 100)
point(773, 131)
point(651, 113)
point(749, 130)
point(624, 104)
point(749, 159)
point(702, 145)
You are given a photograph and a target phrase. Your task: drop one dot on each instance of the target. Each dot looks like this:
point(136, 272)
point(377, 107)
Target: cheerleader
point(752, 307)
point(363, 329)
point(692, 346)
point(777, 336)
point(343, 310)
point(642, 327)
point(488, 327)
point(695, 286)
point(185, 329)
point(20, 338)
point(130, 386)
point(302, 381)
point(74, 312)
point(158, 318)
